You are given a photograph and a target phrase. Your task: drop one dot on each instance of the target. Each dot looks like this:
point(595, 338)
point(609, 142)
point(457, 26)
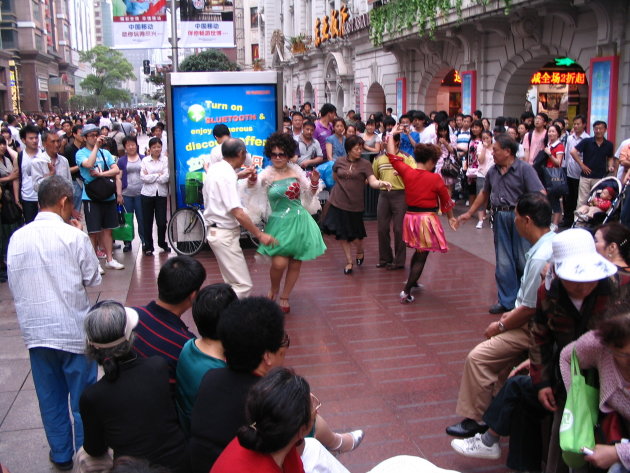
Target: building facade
point(563, 57)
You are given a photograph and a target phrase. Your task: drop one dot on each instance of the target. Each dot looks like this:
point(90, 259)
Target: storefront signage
point(558, 78)
point(327, 28)
point(564, 61)
point(356, 23)
point(15, 92)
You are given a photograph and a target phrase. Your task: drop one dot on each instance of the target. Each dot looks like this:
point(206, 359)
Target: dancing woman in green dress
point(292, 198)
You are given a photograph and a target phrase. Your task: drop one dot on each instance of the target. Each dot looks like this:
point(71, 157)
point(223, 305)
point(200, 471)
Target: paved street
point(388, 368)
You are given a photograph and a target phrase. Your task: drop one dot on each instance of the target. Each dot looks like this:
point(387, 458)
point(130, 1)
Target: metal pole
point(174, 36)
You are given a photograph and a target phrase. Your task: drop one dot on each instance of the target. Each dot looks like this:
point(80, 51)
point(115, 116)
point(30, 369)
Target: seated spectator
point(201, 354)
point(130, 409)
point(161, 331)
point(253, 337)
point(279, 412)
point(608, 350)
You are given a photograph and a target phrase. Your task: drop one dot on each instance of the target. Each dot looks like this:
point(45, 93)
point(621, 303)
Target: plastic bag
point(326, 173)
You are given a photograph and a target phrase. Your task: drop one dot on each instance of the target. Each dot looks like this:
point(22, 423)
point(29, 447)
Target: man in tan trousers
point(489, 363)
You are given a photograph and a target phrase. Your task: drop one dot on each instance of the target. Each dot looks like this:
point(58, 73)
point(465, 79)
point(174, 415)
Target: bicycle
point(186, 230)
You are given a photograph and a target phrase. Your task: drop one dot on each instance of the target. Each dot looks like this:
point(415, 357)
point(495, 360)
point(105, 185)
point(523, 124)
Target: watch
point(501, 327)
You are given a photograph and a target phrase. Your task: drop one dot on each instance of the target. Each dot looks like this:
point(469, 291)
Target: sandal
point(360, 260)
point(348, 270)
point(284, 305)
point(357, 438)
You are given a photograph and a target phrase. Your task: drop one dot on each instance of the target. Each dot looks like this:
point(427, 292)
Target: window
point(253, 17)
point(6, 5)
point(9, 39)
point(37, 11)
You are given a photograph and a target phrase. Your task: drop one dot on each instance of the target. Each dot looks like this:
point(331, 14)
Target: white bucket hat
point(576, 259)
point(130, 323)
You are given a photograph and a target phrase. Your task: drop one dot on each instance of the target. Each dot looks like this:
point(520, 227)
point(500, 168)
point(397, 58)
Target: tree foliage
point(209, 60)
point(110, 70)
point(157, 79)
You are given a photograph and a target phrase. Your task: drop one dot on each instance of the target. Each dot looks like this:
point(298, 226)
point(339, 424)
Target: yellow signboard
point(332, 26)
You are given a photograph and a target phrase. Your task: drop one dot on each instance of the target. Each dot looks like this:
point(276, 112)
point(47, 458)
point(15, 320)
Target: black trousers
point(154, 207)
point(515, 411)
point(569, 201)
point(30, 210)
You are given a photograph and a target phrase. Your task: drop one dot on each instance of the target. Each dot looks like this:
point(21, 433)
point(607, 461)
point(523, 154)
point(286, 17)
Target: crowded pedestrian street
point(392, 370)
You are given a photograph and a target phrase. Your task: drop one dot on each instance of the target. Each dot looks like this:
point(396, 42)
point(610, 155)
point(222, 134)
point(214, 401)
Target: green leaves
point(110, 70)
point(400, 16)
point(208, 61)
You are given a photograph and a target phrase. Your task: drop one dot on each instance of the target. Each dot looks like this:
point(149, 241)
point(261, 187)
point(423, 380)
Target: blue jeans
point(133, 205)
point(510, 249)
point(58, 374)
point(78, 194)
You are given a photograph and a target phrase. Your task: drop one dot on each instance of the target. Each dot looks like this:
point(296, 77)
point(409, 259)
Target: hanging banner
point(207, 24)
point(602, 100)
point(469, 92)
point(138, 24)
point(401, 96)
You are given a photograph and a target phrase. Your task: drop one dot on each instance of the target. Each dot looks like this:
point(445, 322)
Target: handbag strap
point(105, 166)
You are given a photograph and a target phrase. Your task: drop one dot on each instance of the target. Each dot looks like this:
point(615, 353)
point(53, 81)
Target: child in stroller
point(603, 204)
point(601, 201)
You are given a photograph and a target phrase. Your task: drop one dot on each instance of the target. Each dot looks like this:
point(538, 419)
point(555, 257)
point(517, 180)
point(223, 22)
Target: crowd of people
point(223, 402)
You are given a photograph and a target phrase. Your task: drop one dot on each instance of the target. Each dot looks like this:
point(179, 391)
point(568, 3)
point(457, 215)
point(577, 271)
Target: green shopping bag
point(124, 232)
point(577, 428)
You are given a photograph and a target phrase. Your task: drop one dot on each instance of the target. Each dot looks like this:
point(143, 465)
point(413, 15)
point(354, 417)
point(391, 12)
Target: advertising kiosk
point(248, 103)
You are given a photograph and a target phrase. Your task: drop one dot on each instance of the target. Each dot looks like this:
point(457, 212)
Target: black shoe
point(394, 267)
point(63, 466)
point(347, 270)
point(127, 248)
point(360, 260)
point(148, 252)
point(166, 248)
point(497, 309)
point(383, 265)
point(466, 428)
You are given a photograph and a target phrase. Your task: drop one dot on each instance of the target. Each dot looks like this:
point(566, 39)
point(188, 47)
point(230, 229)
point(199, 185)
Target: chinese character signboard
point(602, 100)
point(558, 78)
point(469, 91)
point(207, 24)
point(139, 24)
point(247, 102)
point(330, 27)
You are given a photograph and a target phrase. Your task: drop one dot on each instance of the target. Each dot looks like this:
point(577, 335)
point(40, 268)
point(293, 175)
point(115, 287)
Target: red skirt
point(423, 231)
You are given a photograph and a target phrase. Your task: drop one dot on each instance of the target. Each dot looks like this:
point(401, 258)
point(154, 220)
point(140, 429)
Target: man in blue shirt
point(100, 217)
point(408, 138)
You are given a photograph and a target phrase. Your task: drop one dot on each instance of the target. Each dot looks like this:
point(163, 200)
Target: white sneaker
point(479, 225)
point(473, 447)
point(406, 298)
point(101, 271)
point(113, 264)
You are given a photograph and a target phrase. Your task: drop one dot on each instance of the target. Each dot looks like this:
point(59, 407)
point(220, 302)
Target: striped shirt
point(160, 333)
point(50, 263)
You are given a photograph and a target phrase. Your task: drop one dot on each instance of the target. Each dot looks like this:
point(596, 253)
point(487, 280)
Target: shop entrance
point(449, 96)
point(559, 91)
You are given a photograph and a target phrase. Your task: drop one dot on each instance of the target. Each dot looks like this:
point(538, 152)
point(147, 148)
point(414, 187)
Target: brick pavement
point(388, 368)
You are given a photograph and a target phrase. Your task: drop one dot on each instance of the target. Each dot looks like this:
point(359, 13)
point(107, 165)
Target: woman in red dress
point(425, 192)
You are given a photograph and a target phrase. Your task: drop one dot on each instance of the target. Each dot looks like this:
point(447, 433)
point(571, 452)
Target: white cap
point(576, 259)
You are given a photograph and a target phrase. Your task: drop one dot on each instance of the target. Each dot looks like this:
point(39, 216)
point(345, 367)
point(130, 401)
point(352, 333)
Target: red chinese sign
point(558, 78)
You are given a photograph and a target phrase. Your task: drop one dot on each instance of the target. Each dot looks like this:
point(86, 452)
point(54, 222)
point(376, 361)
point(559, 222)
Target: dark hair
point(352, 141)
point(51, 191)
point(526, 115)
point(370, 122)
point(499, 122)
point(615, 232)
point(559, 122)
point(440, 117)
point(76, 129)
point(536, 206)
point(557, 128)
point(286, 119)
point(297, 114)
point(105, 323)
point(337, 120)
point(247, 329)
point(403, 116)
point(11, 119)
point(155, 141)
point(66, 121)
point(209, 303)
point(478, 114)
point(422, 117)
point(179, 277)
point(389, 121)
point(487, 132)
point(28, 129)
point(284, 141)
point(423, 153)
point(277, 407)
point(443, 126)
point(220, 130)
point(306, 103)
point(471, 118)
point(389, 109)
point(232, 147)
point(308, 123)
point(326, 109)
point(614, 329)
point(477, 123)
point(132, 139)
point(506, 142)
point(600, 122)
point(543, 115)
point(3, 140)
point(580, 117)
point(105, 127)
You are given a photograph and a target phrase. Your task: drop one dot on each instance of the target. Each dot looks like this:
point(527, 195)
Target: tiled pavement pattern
point(388, 368)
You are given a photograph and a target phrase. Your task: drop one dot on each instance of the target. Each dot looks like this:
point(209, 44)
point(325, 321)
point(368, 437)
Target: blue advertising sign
point(250, 111)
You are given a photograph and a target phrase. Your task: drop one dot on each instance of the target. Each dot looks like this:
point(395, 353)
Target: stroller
point(610, 215)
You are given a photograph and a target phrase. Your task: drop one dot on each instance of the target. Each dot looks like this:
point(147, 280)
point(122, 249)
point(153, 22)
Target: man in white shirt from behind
point(50, 263)
point(224, 216)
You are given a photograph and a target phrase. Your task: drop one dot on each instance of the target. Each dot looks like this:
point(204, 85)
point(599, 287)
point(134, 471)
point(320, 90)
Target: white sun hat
point(576, 259)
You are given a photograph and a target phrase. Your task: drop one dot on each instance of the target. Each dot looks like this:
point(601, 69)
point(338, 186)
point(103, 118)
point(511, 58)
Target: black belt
point(503, 208)
point(411, 208)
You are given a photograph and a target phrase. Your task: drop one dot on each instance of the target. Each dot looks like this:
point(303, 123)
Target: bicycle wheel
point(186, 232)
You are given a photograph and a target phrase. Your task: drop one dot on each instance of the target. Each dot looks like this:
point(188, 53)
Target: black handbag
point(556, 181)
point(450, 168)
point(101, 188)
point(10, 212)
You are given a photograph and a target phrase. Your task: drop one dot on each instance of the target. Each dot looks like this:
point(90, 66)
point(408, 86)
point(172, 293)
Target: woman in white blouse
point(154, 175)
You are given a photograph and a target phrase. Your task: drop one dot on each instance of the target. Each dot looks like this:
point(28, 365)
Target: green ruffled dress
point(297, 233)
